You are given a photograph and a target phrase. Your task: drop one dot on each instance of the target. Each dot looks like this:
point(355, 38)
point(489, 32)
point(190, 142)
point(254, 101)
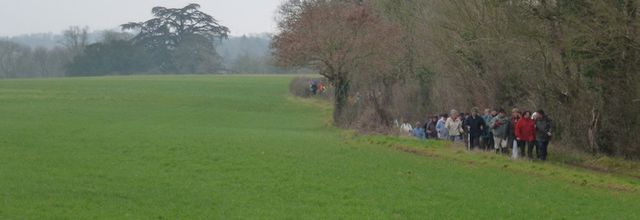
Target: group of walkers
point(316, 87)
point(521, 134)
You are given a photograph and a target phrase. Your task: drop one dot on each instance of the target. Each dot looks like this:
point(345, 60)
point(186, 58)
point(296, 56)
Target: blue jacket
point(442, 131)
point(419, 133)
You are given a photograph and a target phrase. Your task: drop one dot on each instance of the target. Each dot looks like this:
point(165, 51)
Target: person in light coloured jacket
point(418, 131)
point(443, 134)
point(406, 129)
point(454, 126)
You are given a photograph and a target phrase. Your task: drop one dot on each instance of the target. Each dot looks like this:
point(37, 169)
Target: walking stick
point(469, 141)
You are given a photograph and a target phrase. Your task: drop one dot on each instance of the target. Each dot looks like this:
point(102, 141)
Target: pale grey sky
point(38, 16)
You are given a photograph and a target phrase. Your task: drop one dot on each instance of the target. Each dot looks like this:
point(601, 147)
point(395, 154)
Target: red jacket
point(526, 129)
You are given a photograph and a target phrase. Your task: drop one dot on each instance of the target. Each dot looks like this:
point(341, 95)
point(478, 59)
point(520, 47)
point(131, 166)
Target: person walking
point(321, 87)
point(443, 134)
point(499, 126)
point(454, 126)
point(406, 129)
point(430, 128)
point(544, 132)
point(487, 136)
point(475, 126)
point(511, 138)
point(313, 87)
point(418, 132)
point(464, 132)
point(526, 134)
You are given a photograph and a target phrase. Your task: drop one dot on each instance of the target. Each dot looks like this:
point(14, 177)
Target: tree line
point(18, 60)
point(175, 41)
point(389, 59)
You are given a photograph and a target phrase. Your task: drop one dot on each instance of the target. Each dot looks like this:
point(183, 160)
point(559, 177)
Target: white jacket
point(406, 128)
point(454, 126)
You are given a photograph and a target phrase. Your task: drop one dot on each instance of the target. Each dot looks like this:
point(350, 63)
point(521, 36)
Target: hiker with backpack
point(500, 126)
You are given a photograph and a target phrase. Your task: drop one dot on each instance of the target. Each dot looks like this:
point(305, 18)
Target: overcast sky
point(38, 16)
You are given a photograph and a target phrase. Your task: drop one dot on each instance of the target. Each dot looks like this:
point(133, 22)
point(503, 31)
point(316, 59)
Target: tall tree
point(75, 39)
point(175, 28)
point(15, 60)
point(342, 39)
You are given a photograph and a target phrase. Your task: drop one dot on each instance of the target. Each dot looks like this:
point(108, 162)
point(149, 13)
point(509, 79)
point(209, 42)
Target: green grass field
point(239, 147)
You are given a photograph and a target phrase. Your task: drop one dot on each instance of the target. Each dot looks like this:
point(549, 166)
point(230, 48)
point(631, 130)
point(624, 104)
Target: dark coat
point(476, 125)
point(544, 126)
point(430, 130)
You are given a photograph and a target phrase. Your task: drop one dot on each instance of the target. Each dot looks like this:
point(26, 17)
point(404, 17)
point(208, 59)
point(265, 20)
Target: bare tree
point(340, 38)
point(14, 60)
point(43, 61)
point(75, 39)
point(578, 60)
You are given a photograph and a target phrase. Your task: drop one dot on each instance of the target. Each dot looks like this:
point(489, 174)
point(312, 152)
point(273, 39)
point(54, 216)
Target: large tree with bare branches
point(344, 40)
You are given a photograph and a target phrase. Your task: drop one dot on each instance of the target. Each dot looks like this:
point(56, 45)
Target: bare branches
point(344, 40)
point(75, 39)
point(581, 57)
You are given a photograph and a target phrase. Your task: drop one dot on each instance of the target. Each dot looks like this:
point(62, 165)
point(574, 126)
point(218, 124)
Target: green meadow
point(240, 147)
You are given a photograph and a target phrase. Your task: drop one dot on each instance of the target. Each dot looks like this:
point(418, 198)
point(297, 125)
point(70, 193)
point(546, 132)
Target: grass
point(238, 147)
point(578, 175)
point(602, 163)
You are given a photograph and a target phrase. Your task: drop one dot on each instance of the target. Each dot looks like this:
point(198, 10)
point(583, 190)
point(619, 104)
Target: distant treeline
point(578, 60)
point(202, 47)
point(45, 55)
